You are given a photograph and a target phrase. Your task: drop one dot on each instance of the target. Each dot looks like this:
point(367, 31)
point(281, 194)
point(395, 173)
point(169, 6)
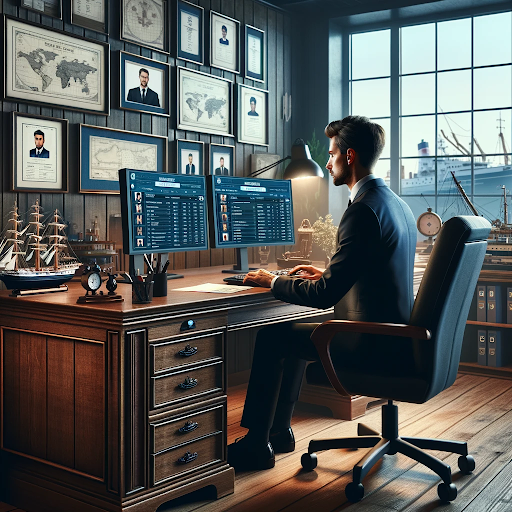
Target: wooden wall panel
point(11, 390)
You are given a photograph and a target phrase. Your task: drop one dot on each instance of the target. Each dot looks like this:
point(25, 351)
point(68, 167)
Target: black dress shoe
point(244, 455)
point(283, 441)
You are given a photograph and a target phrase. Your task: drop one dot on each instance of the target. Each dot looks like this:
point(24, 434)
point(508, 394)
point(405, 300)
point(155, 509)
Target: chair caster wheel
point(309, 461)
point(466, 464)
point(446, 492)
point(354, 492)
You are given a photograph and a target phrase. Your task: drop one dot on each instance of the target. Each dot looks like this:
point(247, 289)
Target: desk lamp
point(301, 165)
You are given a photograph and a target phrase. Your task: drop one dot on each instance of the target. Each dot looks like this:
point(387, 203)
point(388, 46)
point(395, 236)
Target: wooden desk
point(91, 403)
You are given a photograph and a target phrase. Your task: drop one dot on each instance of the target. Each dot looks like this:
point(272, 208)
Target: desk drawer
point(182, 326)
point(168, 434)
point(168, 388)
point(168, 355)
point(203, 451)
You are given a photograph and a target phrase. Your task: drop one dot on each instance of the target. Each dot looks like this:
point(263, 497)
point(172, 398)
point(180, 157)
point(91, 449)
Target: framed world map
point(47, 66)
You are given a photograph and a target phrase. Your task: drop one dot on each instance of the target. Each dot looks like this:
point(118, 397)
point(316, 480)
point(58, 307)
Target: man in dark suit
point(223, 39)
point(143, 94)
point(252, 112)
point(190, 168)
point(221, 169)
point(39, 151)
point(369, 278)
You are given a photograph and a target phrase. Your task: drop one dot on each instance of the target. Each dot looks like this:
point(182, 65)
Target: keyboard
point(239, 278)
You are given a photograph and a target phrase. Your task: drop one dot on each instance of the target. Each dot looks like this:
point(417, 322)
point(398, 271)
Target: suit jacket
point(44, 153)
point(219, 171)
point(190, 169)
point(150, 99)
point(370, 277)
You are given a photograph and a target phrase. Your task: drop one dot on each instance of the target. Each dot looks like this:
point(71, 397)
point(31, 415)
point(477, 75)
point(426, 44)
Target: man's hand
point(260, 278)
point(306, 272)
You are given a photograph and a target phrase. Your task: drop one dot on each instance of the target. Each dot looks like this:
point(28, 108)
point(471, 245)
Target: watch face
point(429, 224)
point(94, 281)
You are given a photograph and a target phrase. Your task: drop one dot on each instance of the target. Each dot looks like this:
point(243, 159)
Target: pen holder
point(142, 292)
point(160, 288)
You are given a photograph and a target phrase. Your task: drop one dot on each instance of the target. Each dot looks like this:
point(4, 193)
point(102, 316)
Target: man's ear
point(351, 154)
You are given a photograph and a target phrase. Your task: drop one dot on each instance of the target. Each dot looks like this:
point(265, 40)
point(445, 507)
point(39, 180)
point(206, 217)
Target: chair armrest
point(325, 332)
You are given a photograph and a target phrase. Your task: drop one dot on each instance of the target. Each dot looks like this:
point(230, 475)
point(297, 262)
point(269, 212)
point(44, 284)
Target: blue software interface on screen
point(163, 212)
point(251, 212)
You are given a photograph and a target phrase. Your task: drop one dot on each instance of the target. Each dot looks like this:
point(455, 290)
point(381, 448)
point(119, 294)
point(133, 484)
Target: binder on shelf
point(481, 304)
point(494, 351)
point(509, 305)
point(482, 348)
point(494, 304)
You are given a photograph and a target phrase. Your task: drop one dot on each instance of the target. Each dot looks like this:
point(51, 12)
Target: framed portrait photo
point(255, 54)
point(91, 14)
point(145, 23)
point(47, 7)
point(224, 42)
point(40, 153)
point(252, 115)
point(47, 66)
point(222, 160)
point(204, 103)
point(190, 33)
point(190, 155)
point(144, 84)
point(104, 151)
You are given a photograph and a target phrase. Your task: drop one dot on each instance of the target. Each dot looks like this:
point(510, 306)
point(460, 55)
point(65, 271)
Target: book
point(509, 305)
point(494, 304)
point(482, 348)
point(494, 352)
point(481, 304)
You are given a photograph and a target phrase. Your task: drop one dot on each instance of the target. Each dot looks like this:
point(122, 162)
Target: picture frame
point(135, 70)
point(39, 153)
point(103, 151)
point(190, 32)
point(92, 15)
point(37, 77)
point(222, 160)
point(190, 157)
point(205, 103)
point(145, 25)
point(51, 8)
point(255, 54)
point(224, 42)
point(252, 125)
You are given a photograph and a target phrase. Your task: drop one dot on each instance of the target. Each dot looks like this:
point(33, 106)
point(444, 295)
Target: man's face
point(337, 164)
point(222, 162)
point(189, 159)
point(144, 79)
point(224, 33)
point(253, 106)
point(39, 140)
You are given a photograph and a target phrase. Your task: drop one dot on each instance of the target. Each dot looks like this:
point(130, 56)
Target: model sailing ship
point(37, 256)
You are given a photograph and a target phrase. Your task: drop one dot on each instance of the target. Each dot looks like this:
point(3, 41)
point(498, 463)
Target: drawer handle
point(188, 383)
point(188, 427)
point(187, 351)
point(188, 457)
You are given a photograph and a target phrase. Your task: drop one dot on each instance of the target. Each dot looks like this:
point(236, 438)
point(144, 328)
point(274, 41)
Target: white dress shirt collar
point(357, 187)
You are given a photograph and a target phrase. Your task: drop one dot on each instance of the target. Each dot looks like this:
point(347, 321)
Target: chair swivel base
point(390, 443)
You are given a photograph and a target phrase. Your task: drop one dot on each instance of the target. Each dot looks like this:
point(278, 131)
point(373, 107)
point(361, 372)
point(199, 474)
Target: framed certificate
point(47, 7)
point(91, 14)
point(204, 103)
point(190, 23)
point(190, 155)
point(252, 115)
point(255, 54)
point(222, 160)
point(224, 42)
point(40, 153)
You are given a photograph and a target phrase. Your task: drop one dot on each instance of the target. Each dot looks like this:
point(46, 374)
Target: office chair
point(426, 362)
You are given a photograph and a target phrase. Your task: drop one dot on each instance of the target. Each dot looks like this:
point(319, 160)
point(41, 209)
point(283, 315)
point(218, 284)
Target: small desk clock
point(91, 282)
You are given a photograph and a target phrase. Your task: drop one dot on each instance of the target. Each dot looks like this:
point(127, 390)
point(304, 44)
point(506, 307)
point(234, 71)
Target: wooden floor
point(475, 409)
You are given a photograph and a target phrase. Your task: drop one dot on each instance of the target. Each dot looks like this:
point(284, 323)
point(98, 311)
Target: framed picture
point(47, 66)
point(190, 157)
point(47, 7)
point(204, 103)
point(190, 23)
point(224, 42)
point(255, 54)
point(40, 153)
point(104, 151)
point(145, 23)
point(144, 84)
point(252, 115)
point(91, 14)
point(222, 160)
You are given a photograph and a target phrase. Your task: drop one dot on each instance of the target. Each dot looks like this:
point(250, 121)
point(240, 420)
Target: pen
point(164, 270)
point(159, 263)
point(148, 263)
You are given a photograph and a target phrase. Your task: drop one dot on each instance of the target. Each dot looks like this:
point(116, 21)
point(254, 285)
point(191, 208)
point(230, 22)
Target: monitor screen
point(162, 212)
point(250, 212)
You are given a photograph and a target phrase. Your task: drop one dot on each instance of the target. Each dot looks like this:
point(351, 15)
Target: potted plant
point(325, 236)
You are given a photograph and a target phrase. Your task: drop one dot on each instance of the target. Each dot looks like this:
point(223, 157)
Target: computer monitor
point(250, 212)
point(162, 213)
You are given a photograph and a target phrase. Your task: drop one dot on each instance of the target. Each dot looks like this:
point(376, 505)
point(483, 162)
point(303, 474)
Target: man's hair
point(252, 99)
point(224, 28)
point(365, 137)
point(39, 132)
point(190, 154)
point(222, 158)
point(143, 70)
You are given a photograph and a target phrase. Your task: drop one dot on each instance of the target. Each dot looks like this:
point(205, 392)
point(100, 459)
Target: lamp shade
point(302, 165)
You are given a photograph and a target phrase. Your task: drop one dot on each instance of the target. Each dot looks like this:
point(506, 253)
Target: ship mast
point(505, 205)
point(15, 240)
point(502, 138)
point(36, 246)
point(463, 194)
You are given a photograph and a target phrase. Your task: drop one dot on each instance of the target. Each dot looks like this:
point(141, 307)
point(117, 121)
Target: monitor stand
point(242, 263)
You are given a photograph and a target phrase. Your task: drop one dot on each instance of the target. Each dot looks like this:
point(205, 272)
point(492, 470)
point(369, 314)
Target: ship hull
point(27, 281)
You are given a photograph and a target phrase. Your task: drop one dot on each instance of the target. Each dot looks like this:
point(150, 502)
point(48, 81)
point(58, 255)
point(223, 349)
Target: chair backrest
point(445, 295)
